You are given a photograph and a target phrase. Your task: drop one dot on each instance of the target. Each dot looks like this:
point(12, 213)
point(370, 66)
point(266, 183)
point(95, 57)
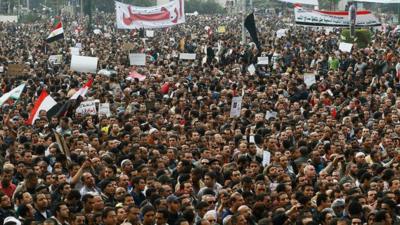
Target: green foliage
point(203, 7)
point(29, 18)
point(362, 37)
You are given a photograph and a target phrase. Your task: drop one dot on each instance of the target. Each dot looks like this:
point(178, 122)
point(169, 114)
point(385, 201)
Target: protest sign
point(309, 79)
point(84, 64)
point(87, 108)
point(263, 60)
point(128, 46)
point(236, 106)
point(55, 59)
point(137, 59)
point(74, 51)
point(187, 56)
point(345, 47)
point(251, 69)
point(221, 29)
point(15, 69)
point(104, 109)
point(150, 33)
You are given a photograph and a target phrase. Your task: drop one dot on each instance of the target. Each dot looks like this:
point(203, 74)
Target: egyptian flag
point(250, 25)
point(57, 31)
point(83, 90)
point(44, 102)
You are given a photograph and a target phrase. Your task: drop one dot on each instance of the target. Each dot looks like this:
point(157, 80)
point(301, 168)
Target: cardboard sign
point(150, 33)
point(104, 109)
point(263, 60)
point(87, 108)
point(55, 59)
point(345, 47)
point(251, 69)
point(74, 51)
point(84, 64)
point(221, 29)
point(137, 59)
point(15, 69)
point(236, 106)
point(309, 79)
point(128, 46)
point(187, 56)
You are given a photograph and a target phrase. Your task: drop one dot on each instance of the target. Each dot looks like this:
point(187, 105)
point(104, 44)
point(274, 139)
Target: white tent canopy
point(379, 1)
point(305, 2)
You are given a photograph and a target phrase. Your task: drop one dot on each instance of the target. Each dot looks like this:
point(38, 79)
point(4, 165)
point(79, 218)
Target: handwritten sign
point(87, 108)
point(104, 109)
point(236, 106)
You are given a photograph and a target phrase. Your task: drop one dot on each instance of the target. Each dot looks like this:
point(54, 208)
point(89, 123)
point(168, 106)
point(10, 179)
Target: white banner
point(133, 17)
point(336, 19)
point(84, 64)
point(137, 59)
point(236, 106)
point(345, 47)
point(305, 2)
point(74, 51)
point(87, 108)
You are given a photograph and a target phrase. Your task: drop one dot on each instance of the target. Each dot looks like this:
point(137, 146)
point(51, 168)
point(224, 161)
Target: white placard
point(78, 45)
point(187, 56)
point(84, 64)
point(87, 108)
point(309, 79)
point(345, 47)
point(137, 59)
point(1, 69)
point(236, 106)
point(270, 114)
point(74, 51)
point(263, 60)
point(55, 59)
point(251, 69)
point(281, 33)
point(266, 158)
point(104, 109)
point(150, 33)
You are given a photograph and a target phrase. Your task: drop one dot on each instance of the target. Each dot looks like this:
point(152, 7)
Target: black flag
point(250, 25)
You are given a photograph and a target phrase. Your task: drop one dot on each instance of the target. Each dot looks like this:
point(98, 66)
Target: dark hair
point(164, 212)
point(58, 207)
point(147, 208)
point(322, 197)
point(105, 212)
point(180, 220)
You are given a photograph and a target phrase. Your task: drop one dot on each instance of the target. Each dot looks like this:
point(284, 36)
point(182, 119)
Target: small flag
point(83, 90)
point(134, 74)
point(57, 31)
point(14, 94)
point(250, 25)
point(44, 102)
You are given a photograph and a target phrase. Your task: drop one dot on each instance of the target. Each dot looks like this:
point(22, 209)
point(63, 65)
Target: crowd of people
point(326, 152)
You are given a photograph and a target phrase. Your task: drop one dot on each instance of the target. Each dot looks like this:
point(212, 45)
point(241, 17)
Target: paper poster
point(281, 33)
point(187, 56)
point(55, 59)
point(78, 45)
point(87, 108)
point(236, 106)
point(128, 46)
point(262, 60)
point(137, 59)
point(221, 29)
point(15, 69)
point(104, 109)
point(266, 158)
point(150, 33)
point(74, 51)
point(84, 64)
point(309, 79)
point(1, 69)
point(251, 69)
point(270, 114)
point(345, 47)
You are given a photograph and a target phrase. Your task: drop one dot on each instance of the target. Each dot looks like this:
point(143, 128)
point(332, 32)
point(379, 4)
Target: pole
point(81, 8)
point(243, 18)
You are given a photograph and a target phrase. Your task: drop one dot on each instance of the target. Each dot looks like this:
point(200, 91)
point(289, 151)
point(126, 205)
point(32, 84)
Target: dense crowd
point(171, 153)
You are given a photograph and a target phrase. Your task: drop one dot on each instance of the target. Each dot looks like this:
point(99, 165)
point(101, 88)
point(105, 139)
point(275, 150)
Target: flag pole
point(243, 19)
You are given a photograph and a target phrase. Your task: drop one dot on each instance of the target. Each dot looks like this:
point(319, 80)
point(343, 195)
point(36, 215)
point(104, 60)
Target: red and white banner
point(333, 19)
point(133, 17)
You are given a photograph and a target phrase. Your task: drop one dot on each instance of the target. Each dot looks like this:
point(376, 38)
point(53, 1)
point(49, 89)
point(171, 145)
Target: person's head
point(78, 219)
point(209, 179)
point(109, 217)
point(211, 217)
point(148, 214)
point(238, 219)
point(98, 203)
point(25, 211)
point(61, 211)
point(88, 179)
point(182, 221)
point(236, 200)
point(245, 211)
point(31, 180)
point(88, 202)
point(173, 203)
point(161, 216)
point(133, 213)
point(40, 202)
point(323, 201)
